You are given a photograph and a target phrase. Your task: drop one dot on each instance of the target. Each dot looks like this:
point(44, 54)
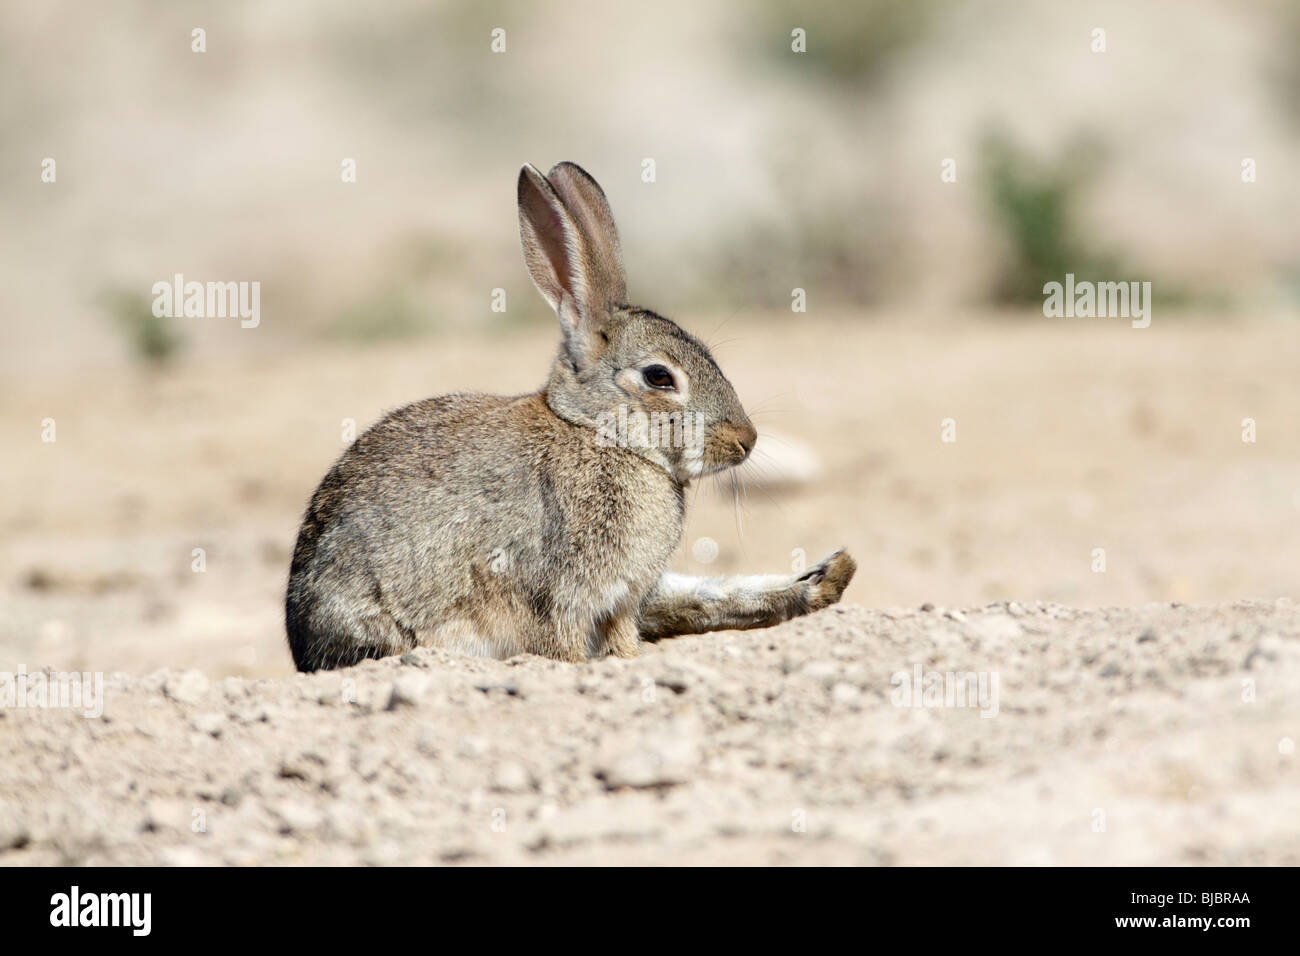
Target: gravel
point(1154, 735)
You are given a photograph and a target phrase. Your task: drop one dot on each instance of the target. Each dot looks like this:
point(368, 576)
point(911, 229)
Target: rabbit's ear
point(565, 265)
point(586, 202)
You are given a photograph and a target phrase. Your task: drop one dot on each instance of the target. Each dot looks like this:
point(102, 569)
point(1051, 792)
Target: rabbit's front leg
point(569, 639)
point(684, 605)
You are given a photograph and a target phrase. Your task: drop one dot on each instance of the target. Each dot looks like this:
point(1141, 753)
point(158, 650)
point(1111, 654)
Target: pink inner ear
point(545, 218)
point(552, 238)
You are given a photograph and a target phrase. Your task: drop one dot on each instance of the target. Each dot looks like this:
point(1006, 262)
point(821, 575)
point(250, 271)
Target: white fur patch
point(746, 586)
point(462, 637)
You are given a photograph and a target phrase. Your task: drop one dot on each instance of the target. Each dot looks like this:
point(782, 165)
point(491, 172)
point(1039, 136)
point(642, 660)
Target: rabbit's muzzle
point(729, 444)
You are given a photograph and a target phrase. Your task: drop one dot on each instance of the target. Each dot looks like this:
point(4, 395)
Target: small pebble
point(209, 722)
point(187, 687)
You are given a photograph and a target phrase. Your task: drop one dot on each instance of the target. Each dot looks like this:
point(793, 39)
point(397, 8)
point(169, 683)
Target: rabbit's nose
point(748, 438)
point(743, 435)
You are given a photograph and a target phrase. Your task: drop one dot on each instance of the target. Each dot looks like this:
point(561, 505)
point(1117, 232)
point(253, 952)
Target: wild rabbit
point(543, 523)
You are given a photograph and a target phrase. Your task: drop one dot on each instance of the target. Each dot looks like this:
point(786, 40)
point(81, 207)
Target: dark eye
point(656, 376)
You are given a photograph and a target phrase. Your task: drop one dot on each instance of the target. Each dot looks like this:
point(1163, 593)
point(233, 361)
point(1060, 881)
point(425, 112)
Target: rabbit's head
point(636, 377)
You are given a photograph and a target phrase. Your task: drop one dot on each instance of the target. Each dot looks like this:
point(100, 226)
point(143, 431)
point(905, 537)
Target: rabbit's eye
point(656, 376)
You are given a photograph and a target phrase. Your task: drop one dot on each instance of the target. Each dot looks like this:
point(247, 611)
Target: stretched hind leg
point(685, 605)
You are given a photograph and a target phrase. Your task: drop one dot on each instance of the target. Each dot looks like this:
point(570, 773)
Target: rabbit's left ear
point(569, 262)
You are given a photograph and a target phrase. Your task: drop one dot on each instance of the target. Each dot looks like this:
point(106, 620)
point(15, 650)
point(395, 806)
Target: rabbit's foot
point(823, 584)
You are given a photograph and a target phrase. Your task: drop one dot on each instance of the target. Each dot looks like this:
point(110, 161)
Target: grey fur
point(500, 526)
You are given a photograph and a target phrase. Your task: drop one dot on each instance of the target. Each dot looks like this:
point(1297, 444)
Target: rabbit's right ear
point(566, 265)
point(586, 203)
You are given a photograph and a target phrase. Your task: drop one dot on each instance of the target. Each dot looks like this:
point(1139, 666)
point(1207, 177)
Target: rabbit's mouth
point(727, 445)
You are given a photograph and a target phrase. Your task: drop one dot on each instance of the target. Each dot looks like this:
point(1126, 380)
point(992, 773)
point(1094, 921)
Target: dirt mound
point(1006, 734)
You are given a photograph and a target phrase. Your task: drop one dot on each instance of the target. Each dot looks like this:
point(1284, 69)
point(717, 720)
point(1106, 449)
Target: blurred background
point(920, 171)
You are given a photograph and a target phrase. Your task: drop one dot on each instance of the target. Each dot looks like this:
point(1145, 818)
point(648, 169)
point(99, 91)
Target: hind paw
point(824, 583)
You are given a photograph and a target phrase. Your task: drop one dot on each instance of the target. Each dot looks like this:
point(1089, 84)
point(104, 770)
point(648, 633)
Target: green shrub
point(153, 340)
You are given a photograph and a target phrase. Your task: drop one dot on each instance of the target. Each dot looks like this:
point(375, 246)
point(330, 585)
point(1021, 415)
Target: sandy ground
point(1071, 436)
point(1156, 735)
